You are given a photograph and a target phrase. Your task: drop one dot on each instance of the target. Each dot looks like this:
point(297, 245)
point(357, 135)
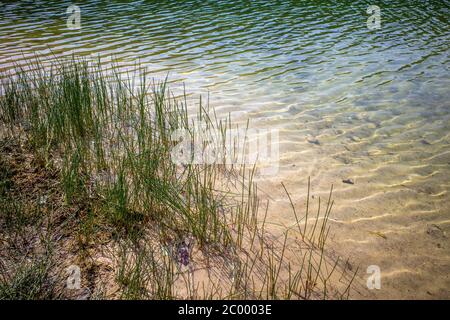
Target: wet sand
point(395, 214)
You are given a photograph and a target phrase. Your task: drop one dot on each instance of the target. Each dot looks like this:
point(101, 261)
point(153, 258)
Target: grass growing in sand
point(87, 179)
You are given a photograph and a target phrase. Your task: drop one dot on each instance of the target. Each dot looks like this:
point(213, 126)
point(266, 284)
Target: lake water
point(375, 102)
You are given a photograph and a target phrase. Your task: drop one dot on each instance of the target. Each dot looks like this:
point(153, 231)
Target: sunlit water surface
point(376, 104)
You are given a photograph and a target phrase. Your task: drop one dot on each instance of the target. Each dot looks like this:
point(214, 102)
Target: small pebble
point(348, 181)
point(183, 254)
point(435, 231)
point(313, 141)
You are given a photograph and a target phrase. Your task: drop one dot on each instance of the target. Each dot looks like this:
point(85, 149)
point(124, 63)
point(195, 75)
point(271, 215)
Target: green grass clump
point(31, 281)
point(102, 125)
point(109, 137)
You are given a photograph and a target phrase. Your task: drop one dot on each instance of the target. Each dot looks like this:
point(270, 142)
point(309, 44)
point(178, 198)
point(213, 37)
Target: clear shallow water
point(377, 101)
